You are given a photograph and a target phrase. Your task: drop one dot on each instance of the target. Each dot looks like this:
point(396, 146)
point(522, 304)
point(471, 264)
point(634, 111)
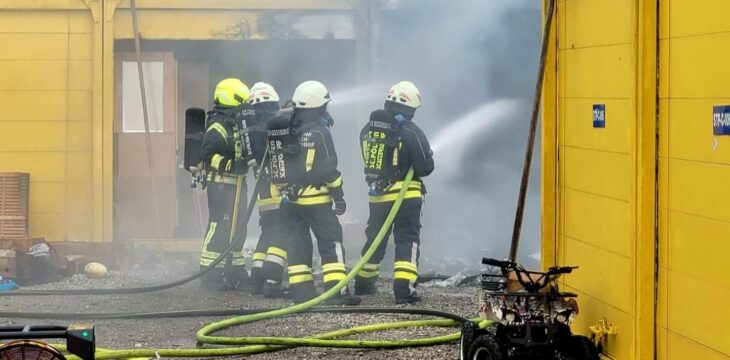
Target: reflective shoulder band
point(220, 129)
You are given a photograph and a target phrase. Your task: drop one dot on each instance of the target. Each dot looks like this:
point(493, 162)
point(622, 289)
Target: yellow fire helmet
point(231, 92)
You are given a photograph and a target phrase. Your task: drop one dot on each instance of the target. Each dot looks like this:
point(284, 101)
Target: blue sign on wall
point(721, 120)
point(599, 115)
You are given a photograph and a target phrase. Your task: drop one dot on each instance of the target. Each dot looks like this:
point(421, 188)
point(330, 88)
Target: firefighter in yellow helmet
point(391, 144)
point(223, 154)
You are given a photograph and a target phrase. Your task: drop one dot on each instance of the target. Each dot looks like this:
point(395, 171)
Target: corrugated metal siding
point(597, 175)
point(597, 218)
point(45, 123)
point(56, 92)
point(694, 192)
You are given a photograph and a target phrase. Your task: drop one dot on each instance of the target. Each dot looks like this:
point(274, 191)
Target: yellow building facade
point(57, 92)
point(647, 191)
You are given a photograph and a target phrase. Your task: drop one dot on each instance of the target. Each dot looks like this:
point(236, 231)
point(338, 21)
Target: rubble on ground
point(180, 333)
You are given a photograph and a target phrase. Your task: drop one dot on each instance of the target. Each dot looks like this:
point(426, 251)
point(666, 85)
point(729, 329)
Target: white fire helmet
point(310, 94)
point(405, 93)
point(262, 92)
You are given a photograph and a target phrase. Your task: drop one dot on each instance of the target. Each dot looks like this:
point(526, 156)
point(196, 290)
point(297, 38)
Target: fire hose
point(254, 345)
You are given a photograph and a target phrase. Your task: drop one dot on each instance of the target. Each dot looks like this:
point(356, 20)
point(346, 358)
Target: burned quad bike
point(532, 317)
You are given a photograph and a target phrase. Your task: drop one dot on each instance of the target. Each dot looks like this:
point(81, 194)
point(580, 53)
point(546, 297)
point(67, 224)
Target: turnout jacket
point(323, 182)
point(222, 145)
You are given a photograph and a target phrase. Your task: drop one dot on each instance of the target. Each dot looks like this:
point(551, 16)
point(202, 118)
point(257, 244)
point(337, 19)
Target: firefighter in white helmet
point(265, 101)
point(270, 256)
point(391, 144)
point(313, 185)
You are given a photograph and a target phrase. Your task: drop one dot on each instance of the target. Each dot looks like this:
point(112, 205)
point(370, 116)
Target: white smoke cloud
point(475, 63)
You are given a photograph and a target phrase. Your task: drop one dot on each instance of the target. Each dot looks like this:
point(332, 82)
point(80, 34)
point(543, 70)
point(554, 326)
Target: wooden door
point(134, 192)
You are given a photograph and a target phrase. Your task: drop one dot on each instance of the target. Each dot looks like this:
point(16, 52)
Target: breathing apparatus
point(380, 151)
point(284, 170)
point(194, 131)
point(381, 143)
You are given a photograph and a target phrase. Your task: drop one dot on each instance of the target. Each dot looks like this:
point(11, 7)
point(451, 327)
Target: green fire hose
point(254, 345)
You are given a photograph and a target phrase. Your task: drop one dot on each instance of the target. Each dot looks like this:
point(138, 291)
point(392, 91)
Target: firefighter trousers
point(269, 223)
point(406, 230)
point(221, 199)
point(269, 258)
point(323, 222)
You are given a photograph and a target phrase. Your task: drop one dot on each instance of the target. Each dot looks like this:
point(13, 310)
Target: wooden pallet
point(14, 200)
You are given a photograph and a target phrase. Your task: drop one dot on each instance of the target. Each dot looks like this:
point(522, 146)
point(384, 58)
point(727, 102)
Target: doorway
point(134, 193)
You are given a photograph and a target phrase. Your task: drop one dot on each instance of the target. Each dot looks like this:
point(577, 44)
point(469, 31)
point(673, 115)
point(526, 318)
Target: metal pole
point(145, 115)
point(531, 139)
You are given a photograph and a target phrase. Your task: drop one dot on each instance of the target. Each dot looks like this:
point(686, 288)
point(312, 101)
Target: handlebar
point(498, 263)
point(532, 281)
point(562, 269)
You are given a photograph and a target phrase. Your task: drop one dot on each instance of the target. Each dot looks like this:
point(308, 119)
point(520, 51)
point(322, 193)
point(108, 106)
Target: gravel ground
point(180, 333)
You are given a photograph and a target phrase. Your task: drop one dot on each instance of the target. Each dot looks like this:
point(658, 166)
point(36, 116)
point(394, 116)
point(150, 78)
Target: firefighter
point(222, 152)
point(269, 258)
point(265, 102)
point(310, 185)
point(391, 144)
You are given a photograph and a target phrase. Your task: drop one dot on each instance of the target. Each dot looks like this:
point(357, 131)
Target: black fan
point(29, 349)
point(24, 343)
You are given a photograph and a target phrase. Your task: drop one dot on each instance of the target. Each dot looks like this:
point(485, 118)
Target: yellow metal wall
point(596, 167)
point(694, 196)
point(46, 88)
point(599, 184)
point(57, 94)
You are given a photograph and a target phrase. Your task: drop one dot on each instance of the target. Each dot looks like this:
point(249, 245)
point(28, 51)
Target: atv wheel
point(485, 347)
point(576, 348)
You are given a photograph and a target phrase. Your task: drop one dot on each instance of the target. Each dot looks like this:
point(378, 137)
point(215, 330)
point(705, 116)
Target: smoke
point(475, 63)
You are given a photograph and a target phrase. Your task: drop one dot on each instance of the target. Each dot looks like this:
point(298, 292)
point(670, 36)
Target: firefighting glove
point(340, 207)
point(338, 195)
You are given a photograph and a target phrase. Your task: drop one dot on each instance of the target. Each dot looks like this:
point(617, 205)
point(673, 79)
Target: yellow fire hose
point(254, 345)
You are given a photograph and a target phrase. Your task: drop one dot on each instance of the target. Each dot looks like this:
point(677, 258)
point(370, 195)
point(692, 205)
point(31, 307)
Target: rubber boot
point(343, 298)
point(364, 286)
point(257, 282)
point(213, 281)
point(302, 292)
point(404, 294)
point(273, 290)
point(236, 277)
